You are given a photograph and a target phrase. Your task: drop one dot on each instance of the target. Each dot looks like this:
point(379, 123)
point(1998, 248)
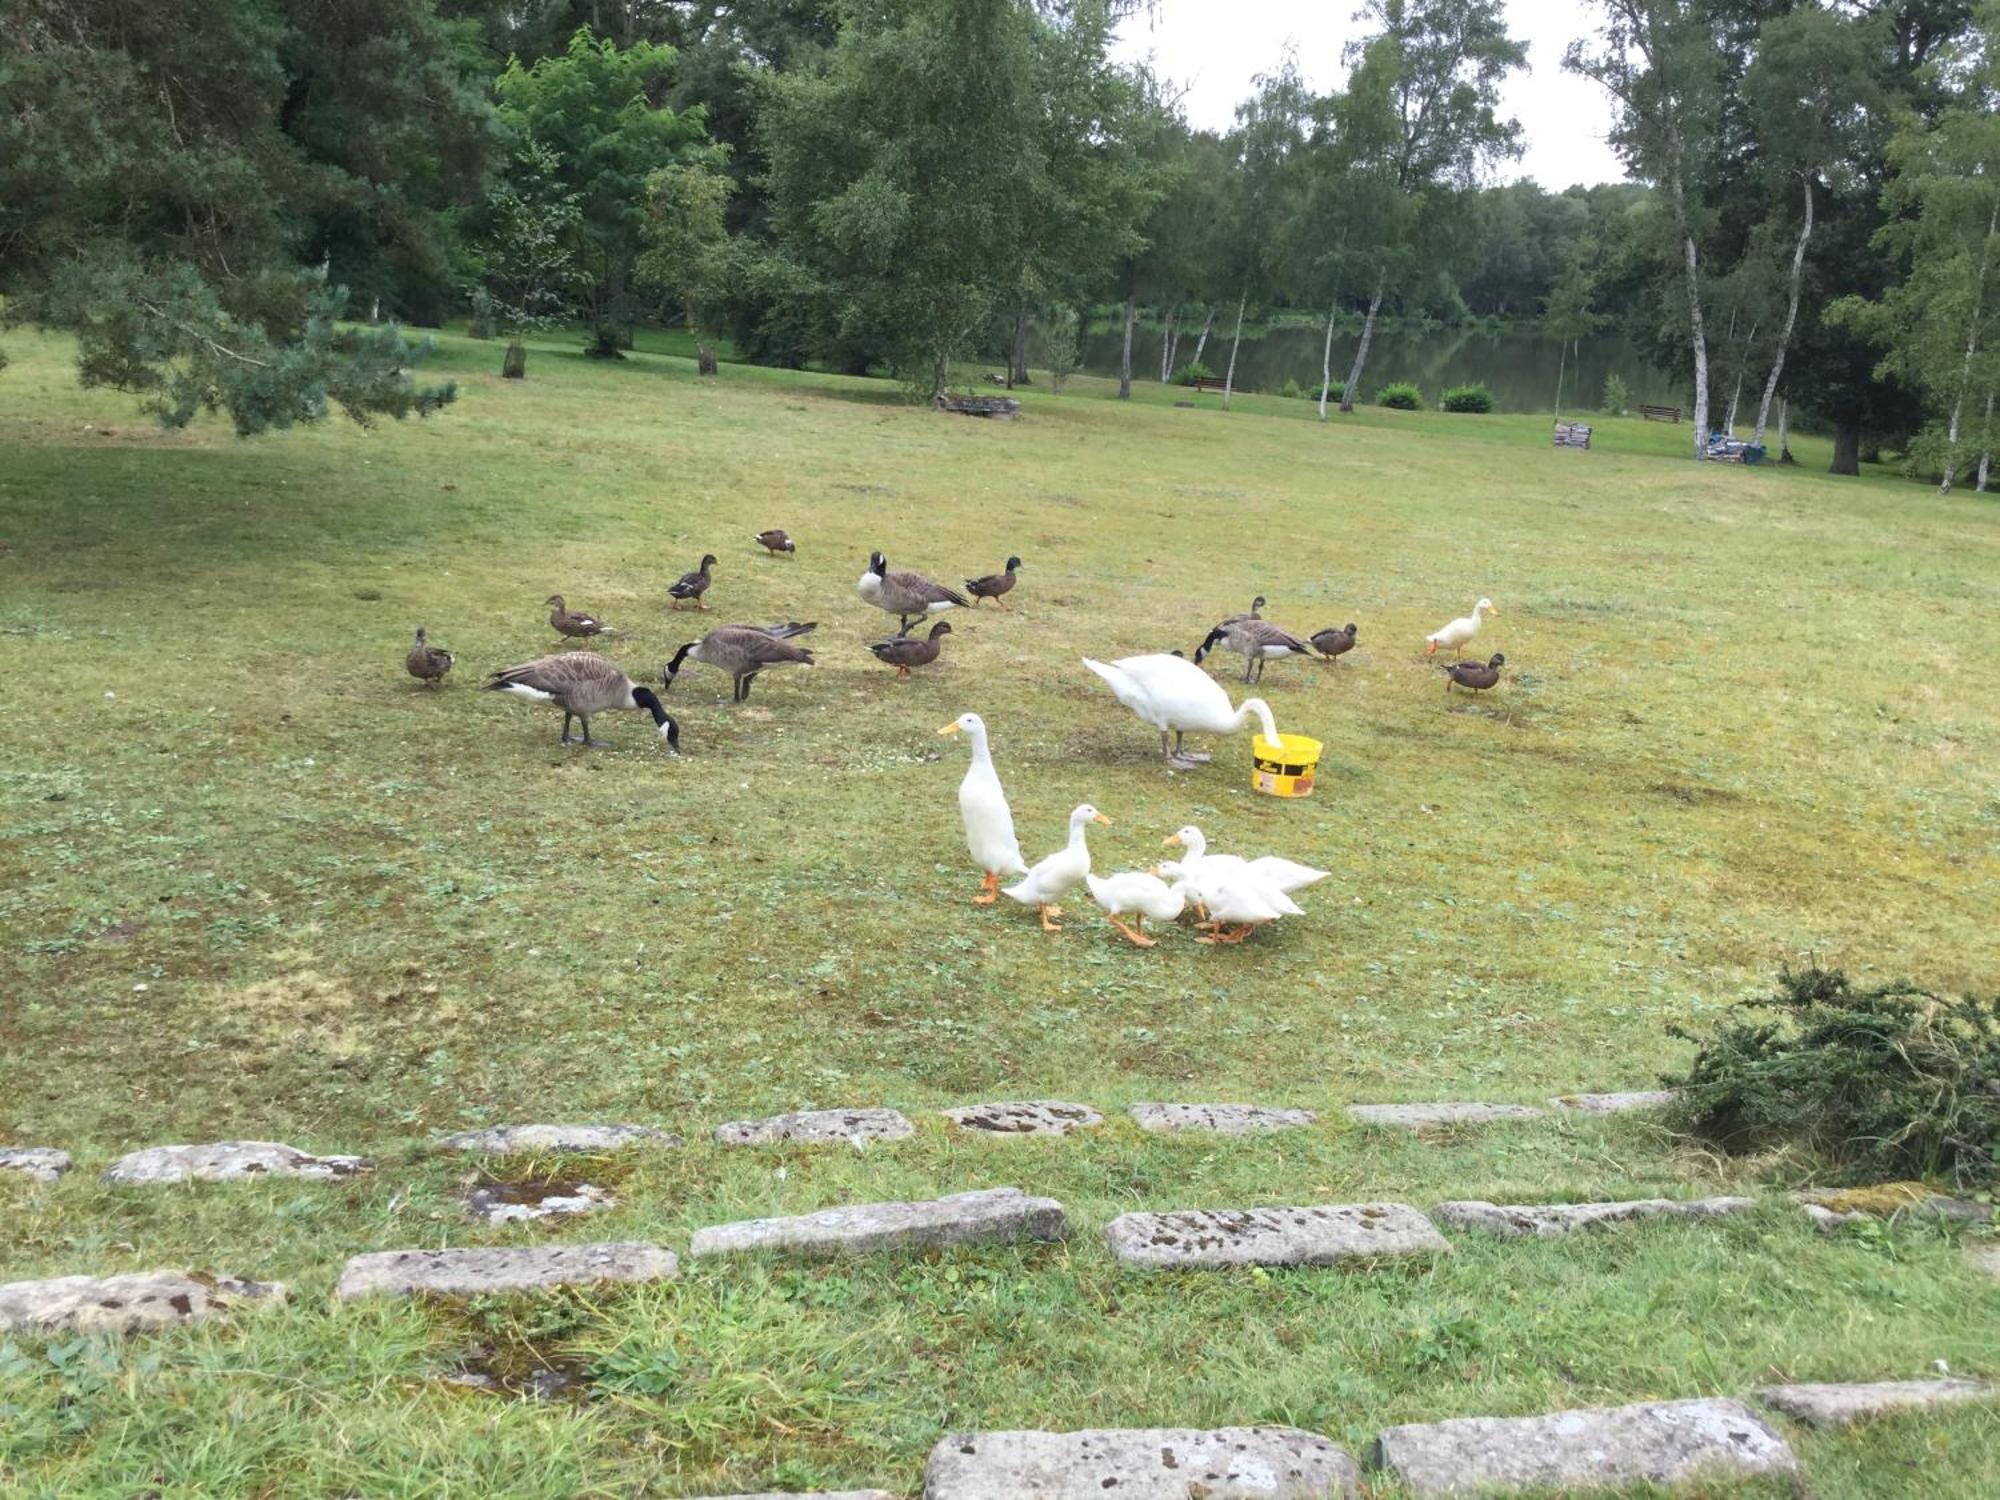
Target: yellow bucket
point(1285, 769)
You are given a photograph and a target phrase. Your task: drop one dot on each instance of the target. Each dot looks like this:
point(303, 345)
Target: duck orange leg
point(1047, 912)
point(989, 892)
point(1137, 939)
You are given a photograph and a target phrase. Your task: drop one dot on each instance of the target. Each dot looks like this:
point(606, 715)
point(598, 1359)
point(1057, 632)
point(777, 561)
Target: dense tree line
point(235, 203)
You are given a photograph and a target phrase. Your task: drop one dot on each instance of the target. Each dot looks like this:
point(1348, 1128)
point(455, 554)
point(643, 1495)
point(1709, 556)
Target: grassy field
point(259, 883)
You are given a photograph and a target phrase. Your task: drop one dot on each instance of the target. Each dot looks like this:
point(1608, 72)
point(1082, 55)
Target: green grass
point(261, 884)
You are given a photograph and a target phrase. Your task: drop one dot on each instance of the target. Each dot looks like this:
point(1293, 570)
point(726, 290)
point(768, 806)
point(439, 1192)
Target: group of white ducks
point(1231, 895)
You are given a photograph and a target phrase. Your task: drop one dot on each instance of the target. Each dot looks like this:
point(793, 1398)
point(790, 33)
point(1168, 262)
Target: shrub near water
point(1400, 395)
point(1192, 371)
point(1474, 397)
point(1617, 397)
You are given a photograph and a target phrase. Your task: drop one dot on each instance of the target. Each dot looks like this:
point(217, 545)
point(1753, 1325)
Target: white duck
point(1237, 902)
point(1457, 632)
point(1140, 893)
point(982, 803)
point(1287, 875)
point(1172, 693)
point(1061, 872)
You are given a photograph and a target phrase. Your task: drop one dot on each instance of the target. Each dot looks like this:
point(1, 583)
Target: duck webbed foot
point(1047, 912)
point(1137, 939)
point(989, 892)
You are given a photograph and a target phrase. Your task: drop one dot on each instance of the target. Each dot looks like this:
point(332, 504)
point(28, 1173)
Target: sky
point(1214, 48)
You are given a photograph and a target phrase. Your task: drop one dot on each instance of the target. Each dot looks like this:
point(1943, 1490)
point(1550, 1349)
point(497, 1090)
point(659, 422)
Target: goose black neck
point(674, 666)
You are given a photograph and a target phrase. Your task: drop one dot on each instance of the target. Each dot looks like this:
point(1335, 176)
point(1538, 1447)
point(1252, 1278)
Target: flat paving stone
point(813, 1127)
point(130, 1303)
point(509, 1140)
point(1223, 1119)
point(1553, 1220)
point(1163, 1463)
point(1025, 1117)
point(1418, 1116)
point(516, 1203)
point(1327, 1234)
point(994, 1215)
point(1985, 1259)
point(1839, 1405)
point(1832, 1208)
point(1615, 1104)
point(228, 1161)
point(810, 1495)
point(1567, 1452)
point(526, 1268)
point(42, 1163)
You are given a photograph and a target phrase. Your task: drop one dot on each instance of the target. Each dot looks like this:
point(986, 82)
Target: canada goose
point(993, 585)
point(1456, 633)
point(582, 683)
point(1475, 675)
point(580, 626)
point(1255, 612)
point(742, 651)
point(903, 594)
point(1060, 872)
point(982, 804)
point(775, 541)
point(906, 651)
point(1172, 693)
point(1330, 642)
point(693, 585)
point(427, 663)
point(1257, 640)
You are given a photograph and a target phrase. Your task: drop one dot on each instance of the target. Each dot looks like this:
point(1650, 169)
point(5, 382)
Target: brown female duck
point(775, 541)
point(427, 663)
point(694, 585)
point(1331, 642)
point(577, 626)
point(1475, 675)
point(906, 651)
point(993, 585)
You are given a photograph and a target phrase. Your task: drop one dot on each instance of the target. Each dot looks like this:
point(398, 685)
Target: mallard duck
point(775, 541)
point(1330, 642)
point(1281, 874)
point(427, 663)
point(1140, 893)
point(1174, 695)
point(982, 803)
point(1475, 675)
point(993, 585)
point(1237, 902)
point(906, 651)
point(582, 683)
point(1257, 641)
point(693, 585)
point(576, 626)
point(742, 651)
point(1061, 872)
point(1457, 632)
point(903, 594)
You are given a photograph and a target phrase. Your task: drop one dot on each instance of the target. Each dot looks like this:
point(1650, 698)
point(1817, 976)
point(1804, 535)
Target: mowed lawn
point(261, 884)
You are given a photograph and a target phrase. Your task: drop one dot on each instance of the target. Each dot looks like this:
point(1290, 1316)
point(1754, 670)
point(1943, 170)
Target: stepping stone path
point(228, 1161)
point(1167, 1463)
point(996, 1215)
point(813, 1495)
point(42, 1163)
point(1420, 1116)
point(813, 1127)
point(1839, 1405)
point(468, 1273)
point(1615, 1104)
point(1831, 1209)
point(1324, 1235)
point(1549, 1221)
point(509, 1140)
point(1223, 1119)
point(517, 1202)
point(1985, 1259)
point(1025, 1117)
point(131, 1303)
point(1664, 1442)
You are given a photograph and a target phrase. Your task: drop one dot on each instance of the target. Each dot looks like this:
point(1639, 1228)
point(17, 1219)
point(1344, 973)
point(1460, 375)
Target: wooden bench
point(1209, 384)
point(1660, 413)
point(1572, 434)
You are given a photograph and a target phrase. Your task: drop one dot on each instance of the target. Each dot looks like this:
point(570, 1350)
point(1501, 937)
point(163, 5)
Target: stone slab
point(814, 1127)
point(1832, 1208)
point(1553, 1220)
point(1985, 1259)
point(994, 1215)
point(810, 1495)
point(42, 1163)
point(1166, 1463)
point(130, 1303)
point(1569, 1452)
point(1223, 1119)
point(1025, 1117)
point(1421, 1116)
point(1614, 1104)
point(228, 1161)
point(510, 1140)
point(1840, 1405)
point(527, 1268)
point(1327, 1234)
point(496, 1204)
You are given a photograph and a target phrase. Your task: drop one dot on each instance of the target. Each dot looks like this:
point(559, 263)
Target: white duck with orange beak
point(1060, 873)
point(1455, 634)
point(989, 821)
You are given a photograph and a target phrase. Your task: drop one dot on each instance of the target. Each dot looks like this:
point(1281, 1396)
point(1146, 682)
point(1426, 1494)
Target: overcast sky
point(1213, 48)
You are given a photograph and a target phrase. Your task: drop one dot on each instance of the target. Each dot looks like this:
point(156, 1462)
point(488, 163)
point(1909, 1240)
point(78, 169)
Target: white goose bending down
point(1142, 894)
point(1456, 633)
point(1174, 695)
point(1061, 872)
point(982, 803)
point(1236, 901)
point(1281, 874)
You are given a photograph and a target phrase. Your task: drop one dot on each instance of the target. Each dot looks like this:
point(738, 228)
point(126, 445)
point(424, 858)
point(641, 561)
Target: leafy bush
point(1401, 395)
point(1291, 389)
point(1192, 371)
point(1474, 397)
point(1062, 345)
point(1617, 398)
point(1884, 1079)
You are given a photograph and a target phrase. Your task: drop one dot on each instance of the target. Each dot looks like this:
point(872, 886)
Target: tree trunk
point(1174, 346)
point(1699, 339)
point(1971, 350)
point(1361, 349)
point(1986, 451)
point(1562, 361)
point(1785, 433)
point(515, 366)
point(1125, 361)
point(1846, 449)
point(1202, 342)
point(1017, 366)
point(704, 359)
point(1791, 321)
point(940, 376)
point(1229, 377)
point(1167, 347)
point(1326, 361)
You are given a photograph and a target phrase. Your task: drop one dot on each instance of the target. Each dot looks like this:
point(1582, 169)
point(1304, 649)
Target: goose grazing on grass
point(1457, 632)
point(1257, 641)
point(582, 683)
point(1476, 675)
point(693, 585)
point(906, 651)
point(994, 585)
point(1286, 875)
point(989, 821)
point(575, 626)
point(1141, 894)
point(427, 663)
point(775, 541)
point(1237, 902)
point(1174, 695)
point(1332, 643)
point(905, 595)
point(742, 651)
point(1061, 872)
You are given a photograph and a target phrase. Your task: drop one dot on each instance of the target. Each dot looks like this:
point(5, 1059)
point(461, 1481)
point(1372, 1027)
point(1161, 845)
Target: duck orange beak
point(1171, 841)
point(1100, 818)
point(949, 729)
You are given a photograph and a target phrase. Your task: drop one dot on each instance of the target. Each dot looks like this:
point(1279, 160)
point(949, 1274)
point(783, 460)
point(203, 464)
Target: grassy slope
point(1740, 725)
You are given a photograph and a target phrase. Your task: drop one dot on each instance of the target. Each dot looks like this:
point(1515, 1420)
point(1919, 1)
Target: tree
point(530, 269)
point(1567, 314)
point(687, 249)
point(1268, 141)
